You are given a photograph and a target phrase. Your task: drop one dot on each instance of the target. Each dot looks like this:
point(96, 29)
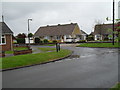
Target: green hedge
point(21, 40)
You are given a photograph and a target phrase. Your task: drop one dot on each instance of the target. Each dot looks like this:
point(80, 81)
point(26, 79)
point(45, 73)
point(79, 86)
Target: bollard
point(57, 47)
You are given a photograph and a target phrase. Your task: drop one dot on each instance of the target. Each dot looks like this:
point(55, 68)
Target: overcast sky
point(52, 13)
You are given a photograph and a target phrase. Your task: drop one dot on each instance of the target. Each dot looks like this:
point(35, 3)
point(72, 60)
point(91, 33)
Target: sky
point(86, 13)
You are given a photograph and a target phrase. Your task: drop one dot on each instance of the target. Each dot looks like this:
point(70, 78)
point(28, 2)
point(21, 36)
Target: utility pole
point(29, 31)
point(113, 19)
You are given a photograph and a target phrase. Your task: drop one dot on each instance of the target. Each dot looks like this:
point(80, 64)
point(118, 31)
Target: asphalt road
point(94, 68)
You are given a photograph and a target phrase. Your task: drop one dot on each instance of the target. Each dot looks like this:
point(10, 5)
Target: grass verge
point(46, 49)
point(116, 87)
point(16, 48)
point(48, 45)
point(29, 59)
point(106, 45)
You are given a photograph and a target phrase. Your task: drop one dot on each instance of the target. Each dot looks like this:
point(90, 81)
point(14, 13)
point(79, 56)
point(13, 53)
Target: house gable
point(76, 31)
point(4, 29)
point(6, 34)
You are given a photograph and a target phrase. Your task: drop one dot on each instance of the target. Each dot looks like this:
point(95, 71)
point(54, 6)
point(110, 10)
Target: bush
point(45, 41)
point(54, 41)
point(106, 39)
point(90, 38)
point(81, 41)
point(37, 40)
point(21, 40)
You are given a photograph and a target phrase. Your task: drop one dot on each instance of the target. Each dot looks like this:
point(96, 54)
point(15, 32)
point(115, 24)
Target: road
point(92, 68)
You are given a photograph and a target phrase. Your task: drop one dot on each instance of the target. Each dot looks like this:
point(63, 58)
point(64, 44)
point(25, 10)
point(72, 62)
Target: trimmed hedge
point(21, 40)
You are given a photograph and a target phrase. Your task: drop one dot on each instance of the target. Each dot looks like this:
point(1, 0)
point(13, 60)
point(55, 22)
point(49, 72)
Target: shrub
point(106, 39)
point(54, 41)
point(21, 40)
point(90, 38)
point(45, 41)
point(81, 41)
point(37, 40)
point(30, 35)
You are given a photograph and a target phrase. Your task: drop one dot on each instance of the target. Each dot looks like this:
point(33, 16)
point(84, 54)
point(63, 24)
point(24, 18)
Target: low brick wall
point(22, 52)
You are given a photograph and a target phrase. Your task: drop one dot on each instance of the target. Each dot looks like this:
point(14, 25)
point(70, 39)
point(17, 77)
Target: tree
point(21, 38)
point(23, 35)
point(30, 35)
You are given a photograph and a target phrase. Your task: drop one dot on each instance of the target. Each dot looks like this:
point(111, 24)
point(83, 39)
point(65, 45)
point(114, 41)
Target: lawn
point(48, 45)
point(116, 87)
point(107, 45)
point(16, 48)
point(20, 48)
point(46, 49)
point(29, 59)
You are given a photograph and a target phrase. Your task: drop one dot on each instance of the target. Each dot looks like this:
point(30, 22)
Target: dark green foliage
point(81, 41)
point(21, 35)
point(21, 40)
point(90, 38)
point(54, 41)
point(37, 40)
point(30, 35)
point(106, 39)
point(45, 41)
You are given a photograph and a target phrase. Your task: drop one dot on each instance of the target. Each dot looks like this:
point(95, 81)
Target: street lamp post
point(29, 31)
point(113, 19)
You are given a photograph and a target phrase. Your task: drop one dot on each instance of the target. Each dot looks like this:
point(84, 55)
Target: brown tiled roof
point(4, 28)
point(83, 32)
point(65, 29)
point(103, 29)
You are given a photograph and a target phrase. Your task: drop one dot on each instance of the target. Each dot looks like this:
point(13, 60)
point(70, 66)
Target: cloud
point(49, 13)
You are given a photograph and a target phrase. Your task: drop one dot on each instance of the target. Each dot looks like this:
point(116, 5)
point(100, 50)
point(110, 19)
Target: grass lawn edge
point(52, 60)
point(99, 45)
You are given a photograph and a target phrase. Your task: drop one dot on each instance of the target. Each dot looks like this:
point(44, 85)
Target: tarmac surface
point(86, 68)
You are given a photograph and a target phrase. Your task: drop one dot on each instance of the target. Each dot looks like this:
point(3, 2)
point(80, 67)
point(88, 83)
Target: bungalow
point(83, 35)
point(62, 33)
point(103, 31)
point(6, 35)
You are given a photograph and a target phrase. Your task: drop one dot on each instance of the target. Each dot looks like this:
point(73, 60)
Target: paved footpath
point(94, 68)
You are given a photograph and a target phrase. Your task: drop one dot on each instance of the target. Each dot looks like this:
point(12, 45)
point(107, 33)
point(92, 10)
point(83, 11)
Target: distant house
point(27, 40)
point(63, 33)
point(83, 35)
point(102, 31)
point(6, 37)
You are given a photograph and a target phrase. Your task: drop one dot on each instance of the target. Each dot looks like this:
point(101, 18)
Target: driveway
point(86, 68)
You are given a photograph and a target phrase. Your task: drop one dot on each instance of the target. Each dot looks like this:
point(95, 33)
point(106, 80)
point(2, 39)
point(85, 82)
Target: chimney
point(2, 18)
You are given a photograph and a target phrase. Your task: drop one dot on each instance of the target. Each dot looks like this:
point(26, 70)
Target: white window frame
point(1, 37)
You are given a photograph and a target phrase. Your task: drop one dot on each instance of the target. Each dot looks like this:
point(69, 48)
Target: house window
point(2, 39)
point(58, 37)
point(68, 37)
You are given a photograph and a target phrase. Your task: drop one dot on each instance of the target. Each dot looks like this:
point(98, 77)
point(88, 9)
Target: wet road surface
point(88, 68)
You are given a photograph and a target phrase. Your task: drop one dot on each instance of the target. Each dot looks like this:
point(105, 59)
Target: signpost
point(57, 47)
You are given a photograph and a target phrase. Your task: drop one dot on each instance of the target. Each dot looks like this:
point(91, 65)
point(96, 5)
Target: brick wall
point(8, 44)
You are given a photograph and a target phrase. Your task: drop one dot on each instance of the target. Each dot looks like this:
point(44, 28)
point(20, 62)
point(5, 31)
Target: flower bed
point(20, 52)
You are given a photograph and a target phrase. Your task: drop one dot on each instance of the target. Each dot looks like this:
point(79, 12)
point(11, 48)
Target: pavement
point(86, 68)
